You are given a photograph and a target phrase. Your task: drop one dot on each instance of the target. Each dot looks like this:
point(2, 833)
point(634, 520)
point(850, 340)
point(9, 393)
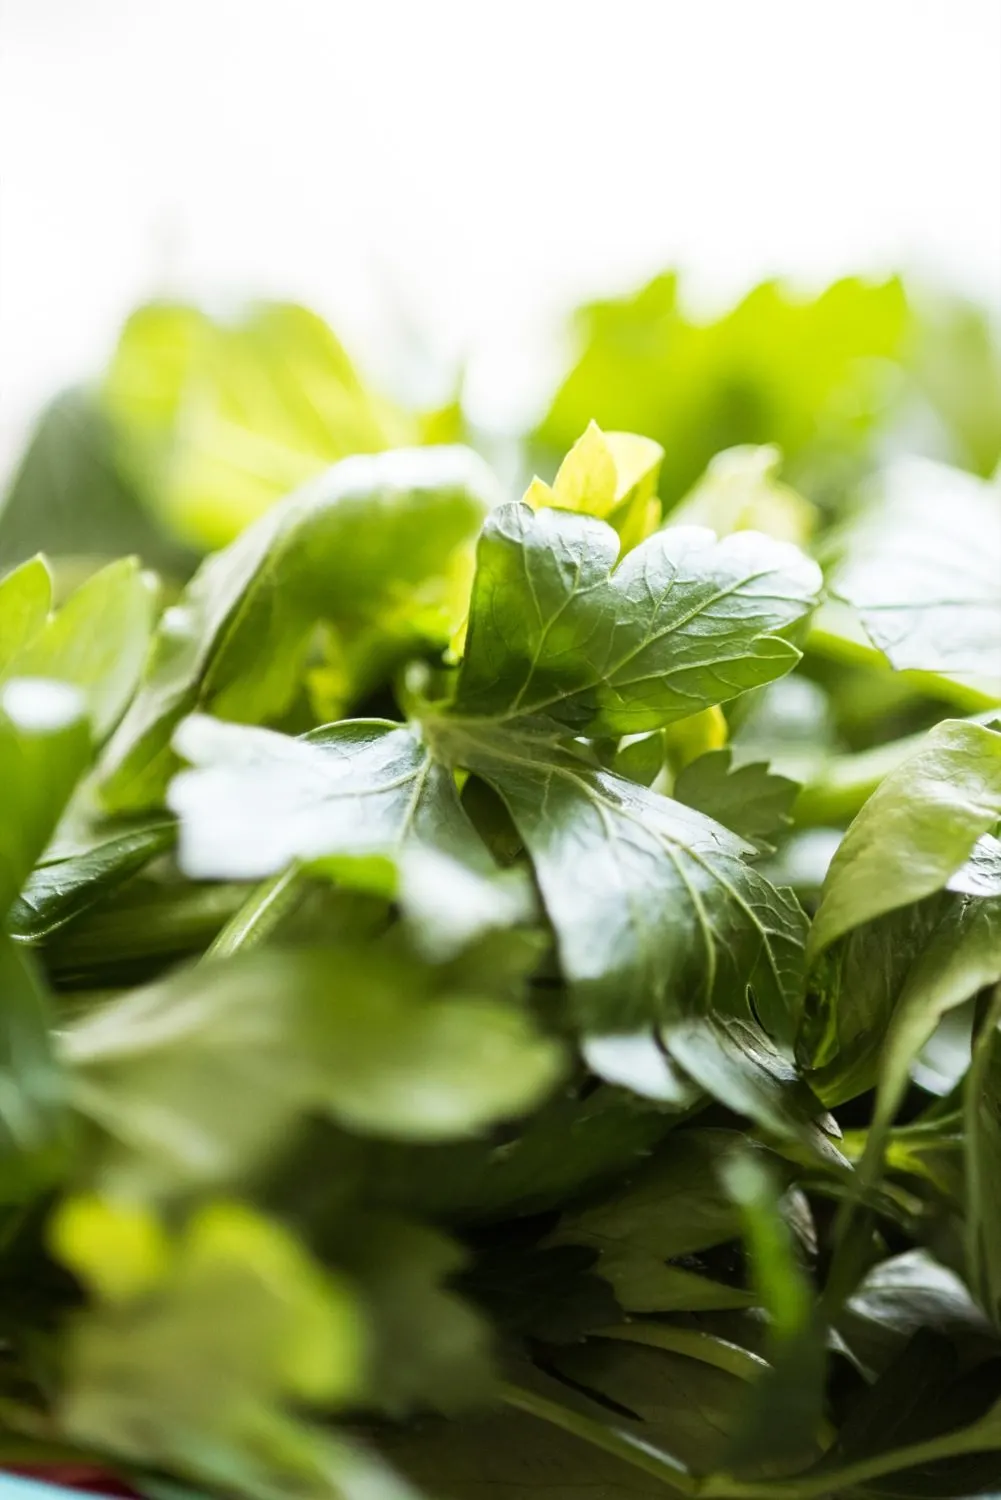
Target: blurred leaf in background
point(824, 378)
point(814, 376)
point(216, 419)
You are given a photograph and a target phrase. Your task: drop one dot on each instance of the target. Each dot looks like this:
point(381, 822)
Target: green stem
point(670, 1471)
point(259, 915)
point(837, 1481)
point(691, 1342)
point(850, 780)
point(831, 644)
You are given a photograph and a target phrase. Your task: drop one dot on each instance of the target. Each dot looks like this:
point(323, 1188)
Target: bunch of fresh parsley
point(503, 999)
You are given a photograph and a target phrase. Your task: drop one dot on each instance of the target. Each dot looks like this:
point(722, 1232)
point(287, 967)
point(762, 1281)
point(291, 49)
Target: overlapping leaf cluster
point(506, 996)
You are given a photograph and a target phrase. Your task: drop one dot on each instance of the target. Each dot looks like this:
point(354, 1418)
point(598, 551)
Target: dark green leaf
point(70, 882)
point(748, 799)
point(780, 1425)
point(656, 913)
point(32, 1094)
point(983, 1162)
point(735, 1063)
point(560, 643)
point(671, 1208)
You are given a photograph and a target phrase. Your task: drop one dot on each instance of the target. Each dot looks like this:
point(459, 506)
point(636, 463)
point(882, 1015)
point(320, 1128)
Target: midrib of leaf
point(501, 750)
point(608, 672)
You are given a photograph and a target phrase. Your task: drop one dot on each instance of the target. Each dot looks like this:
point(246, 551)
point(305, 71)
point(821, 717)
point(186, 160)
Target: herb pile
point(503, 997)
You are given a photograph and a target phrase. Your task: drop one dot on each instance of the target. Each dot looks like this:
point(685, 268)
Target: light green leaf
point(379, 548)
point(812, 375)
point(68, 497)
point(217, 419)
point(98, 640)
point(915, 831)
point(741, 491)
point(256, 800)
point(656, 913)
point(25, 601)
point(587, 479)
point(364, 1036)
point(62, 887)
point(749, 799)
point(44, 748)
point(560, 643)
point(922, 568)
point(204, 1364)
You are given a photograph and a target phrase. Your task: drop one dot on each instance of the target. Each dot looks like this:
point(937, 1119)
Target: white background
point(479, 164)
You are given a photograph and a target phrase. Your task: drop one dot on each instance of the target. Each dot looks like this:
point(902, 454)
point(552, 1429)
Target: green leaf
point(656, 913)
point(202, 1362)
point(900, 1296)
point(737, 1065)
point(363, 801)
point(166, 1072)
point(673, 1207)
point(779, 1427)
point(922, 568)
point(560, 643)
point(510, 1455)
point(44, 747)
point(70, 498)
point(685, 1407)
point(812, 375)
point(428, 1349)
point(377, 547)
point(25, 601)
point(748, 799)
point(569, 1147)
point(62, 887)
point(961, 957)
point(636, 1061)
point(32, 1094)
point(914, 832)
point(741, 491)
point(98, 640)
point(216, 419)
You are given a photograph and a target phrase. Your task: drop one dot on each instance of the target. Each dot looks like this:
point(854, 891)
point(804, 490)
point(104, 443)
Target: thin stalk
point(838, 1481)
point(833, 645)
point(259, 915)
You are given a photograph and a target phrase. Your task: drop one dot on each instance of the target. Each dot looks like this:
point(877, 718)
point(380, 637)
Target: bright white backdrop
point(479, 164)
